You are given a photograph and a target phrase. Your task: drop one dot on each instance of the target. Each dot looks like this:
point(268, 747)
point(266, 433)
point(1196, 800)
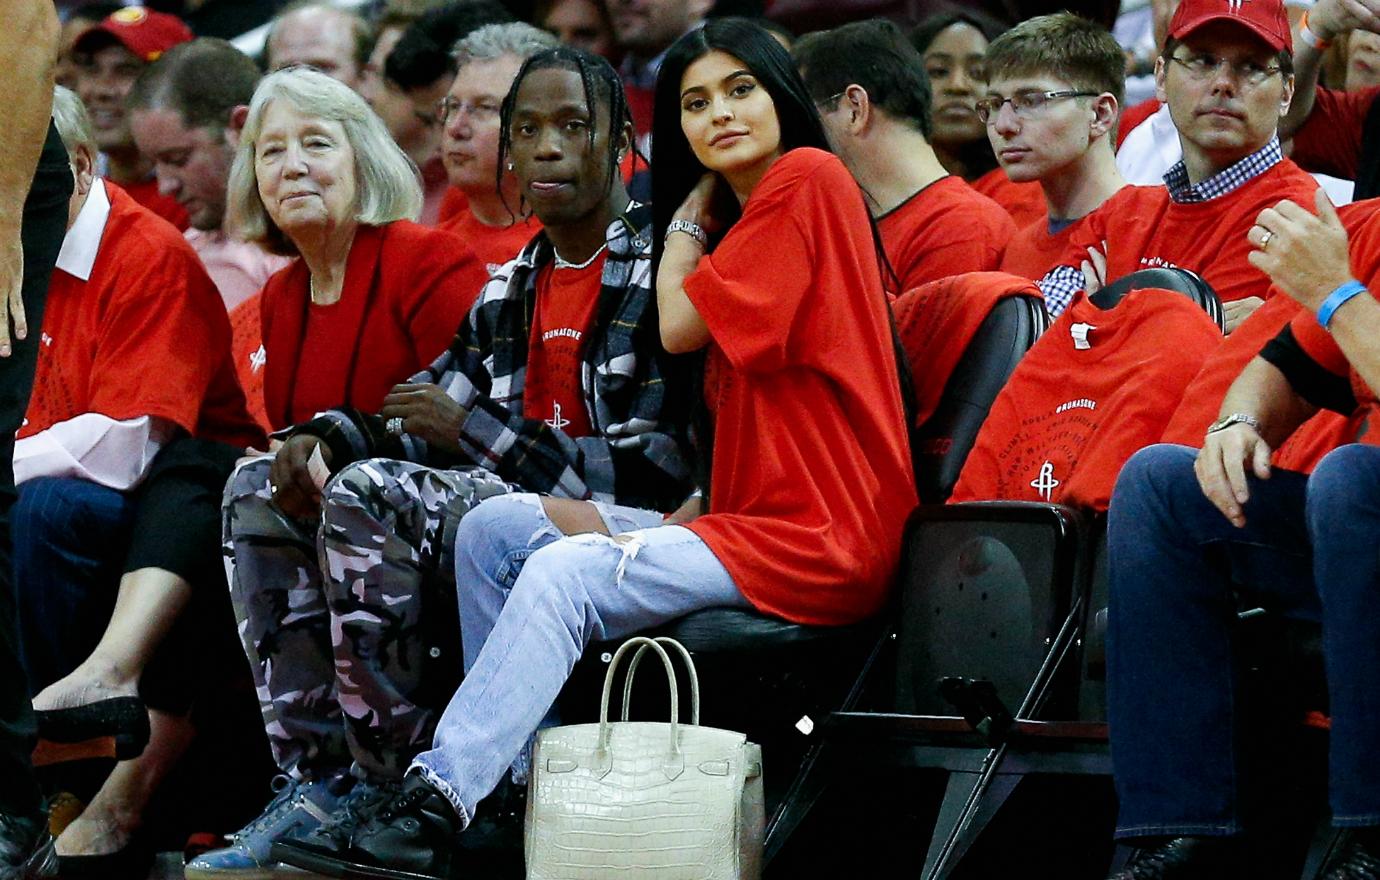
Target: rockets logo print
point(1044, 484)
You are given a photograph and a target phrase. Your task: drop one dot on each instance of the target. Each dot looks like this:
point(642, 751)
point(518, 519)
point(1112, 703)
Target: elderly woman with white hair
point(372, 299)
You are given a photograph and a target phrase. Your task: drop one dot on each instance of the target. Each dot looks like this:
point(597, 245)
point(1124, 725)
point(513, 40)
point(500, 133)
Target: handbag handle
point(676, 759)
point(689, 668)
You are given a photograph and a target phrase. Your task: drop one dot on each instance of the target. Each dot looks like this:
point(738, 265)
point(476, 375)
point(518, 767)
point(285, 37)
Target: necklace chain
point(566, 264)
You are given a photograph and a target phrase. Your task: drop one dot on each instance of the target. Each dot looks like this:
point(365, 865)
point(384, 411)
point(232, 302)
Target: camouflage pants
point(349, 622)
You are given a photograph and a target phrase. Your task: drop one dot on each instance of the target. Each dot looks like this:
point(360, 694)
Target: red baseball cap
point(146, 33)
point(1265, 18)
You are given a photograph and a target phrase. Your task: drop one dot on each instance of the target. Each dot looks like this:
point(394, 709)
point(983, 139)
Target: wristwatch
point(1235, 419)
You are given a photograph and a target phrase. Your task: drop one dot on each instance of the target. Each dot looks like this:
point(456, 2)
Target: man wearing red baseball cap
point(1226, 74)
point(109, 58)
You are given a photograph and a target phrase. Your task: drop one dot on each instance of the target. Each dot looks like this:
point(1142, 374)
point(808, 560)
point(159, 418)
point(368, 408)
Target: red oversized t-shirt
point(493, 245)
point(1070, 417)
point(145, 335)
point(1144, 229)
point(553, 388)
point(812, 480)
point(944, 229)
point(1025, 202)
point(407, 288)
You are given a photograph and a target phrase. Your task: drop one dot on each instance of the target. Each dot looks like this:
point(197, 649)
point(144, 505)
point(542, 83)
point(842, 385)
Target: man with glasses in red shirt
point(1227, 75)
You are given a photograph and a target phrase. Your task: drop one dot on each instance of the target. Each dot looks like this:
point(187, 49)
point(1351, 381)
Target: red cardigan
point(407, 288)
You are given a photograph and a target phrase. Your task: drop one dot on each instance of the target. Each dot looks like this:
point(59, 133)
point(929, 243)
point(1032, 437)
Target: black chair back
point(946, 438)
point(1183, 281)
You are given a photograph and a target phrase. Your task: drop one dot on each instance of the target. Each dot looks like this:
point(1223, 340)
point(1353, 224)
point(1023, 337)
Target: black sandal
point(116, 728)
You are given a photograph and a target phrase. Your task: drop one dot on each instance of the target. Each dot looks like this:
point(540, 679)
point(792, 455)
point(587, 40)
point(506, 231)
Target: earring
point(510, 166)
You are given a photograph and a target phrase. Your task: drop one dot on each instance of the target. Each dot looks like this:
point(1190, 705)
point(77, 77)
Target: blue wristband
point(1335, 299)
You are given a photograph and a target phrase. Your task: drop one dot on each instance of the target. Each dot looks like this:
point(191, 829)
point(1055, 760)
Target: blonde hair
point(387, 183)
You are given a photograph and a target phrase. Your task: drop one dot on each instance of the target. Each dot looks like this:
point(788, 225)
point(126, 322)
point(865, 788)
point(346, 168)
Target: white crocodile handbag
point(645, 800)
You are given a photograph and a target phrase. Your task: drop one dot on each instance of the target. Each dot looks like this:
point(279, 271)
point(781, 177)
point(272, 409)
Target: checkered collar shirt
point(1224, 181)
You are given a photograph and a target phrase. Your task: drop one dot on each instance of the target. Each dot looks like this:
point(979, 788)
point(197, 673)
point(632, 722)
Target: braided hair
point(600, 82)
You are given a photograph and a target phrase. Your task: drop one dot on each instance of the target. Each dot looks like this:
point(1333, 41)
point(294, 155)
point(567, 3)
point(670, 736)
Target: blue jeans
point(530, 601)
point(70, 538)
point(1310, 547)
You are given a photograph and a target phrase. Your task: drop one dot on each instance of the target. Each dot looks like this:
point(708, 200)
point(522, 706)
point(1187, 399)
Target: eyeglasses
point(1203, 66)
point(479, 111)
point(1025, 104)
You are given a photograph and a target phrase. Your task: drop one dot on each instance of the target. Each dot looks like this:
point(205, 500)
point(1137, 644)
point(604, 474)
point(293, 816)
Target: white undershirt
point(93, 447)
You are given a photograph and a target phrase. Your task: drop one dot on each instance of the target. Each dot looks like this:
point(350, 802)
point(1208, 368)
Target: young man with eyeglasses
point(492, 222)
point(1226, 74)
point(874, 99)
point(1054, 89)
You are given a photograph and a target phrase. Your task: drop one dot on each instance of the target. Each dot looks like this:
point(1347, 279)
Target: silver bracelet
point(690, 228)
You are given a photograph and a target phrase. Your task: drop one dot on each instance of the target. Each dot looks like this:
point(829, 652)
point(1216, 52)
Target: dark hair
point(931, 27)
point(423, 53)
point(202, 80)
point(602, 85)
point(1075, 49)
point(875, 55)
point(1284, 57)
point(677, 169)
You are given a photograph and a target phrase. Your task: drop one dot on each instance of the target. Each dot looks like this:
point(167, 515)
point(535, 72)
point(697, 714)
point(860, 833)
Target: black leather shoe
point(1188, 858)
point(413, 836)
point(116, 728)
point(26, 848)
point(491, 846)
point(1357, 861)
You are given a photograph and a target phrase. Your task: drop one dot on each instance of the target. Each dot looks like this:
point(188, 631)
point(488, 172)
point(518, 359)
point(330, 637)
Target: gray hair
point(73, 123)
point(387, 184)
point(497, 40)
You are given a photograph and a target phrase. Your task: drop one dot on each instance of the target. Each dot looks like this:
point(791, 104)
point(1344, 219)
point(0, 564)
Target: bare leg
point(574, 517)
point(117, 810)
point(148, 602)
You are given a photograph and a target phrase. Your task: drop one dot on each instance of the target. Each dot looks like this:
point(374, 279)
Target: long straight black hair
point(677, 171)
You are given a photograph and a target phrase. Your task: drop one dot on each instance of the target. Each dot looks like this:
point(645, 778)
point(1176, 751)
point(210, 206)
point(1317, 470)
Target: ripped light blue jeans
point(530, 601)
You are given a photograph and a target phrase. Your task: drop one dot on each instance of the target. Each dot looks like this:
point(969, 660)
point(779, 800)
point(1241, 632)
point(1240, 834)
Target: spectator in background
point(582, 24)
point(953, 46)
point(110, 57)
point(1362, 60)
point(421, 67)
point(185, 113)
point(1335, 132)
point(415, 131)
point(1226, 76)
point(487, 61)
point(136, 360)
point(870, 87)
point(79, 22)
point(644, 30)
point(1054, 90)
point(320, 35)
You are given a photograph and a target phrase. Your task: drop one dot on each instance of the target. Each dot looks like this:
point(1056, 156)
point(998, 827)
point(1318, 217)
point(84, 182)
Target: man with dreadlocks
point(556, 384)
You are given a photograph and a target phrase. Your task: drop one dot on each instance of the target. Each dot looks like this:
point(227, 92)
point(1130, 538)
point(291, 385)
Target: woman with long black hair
point(767, 262)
